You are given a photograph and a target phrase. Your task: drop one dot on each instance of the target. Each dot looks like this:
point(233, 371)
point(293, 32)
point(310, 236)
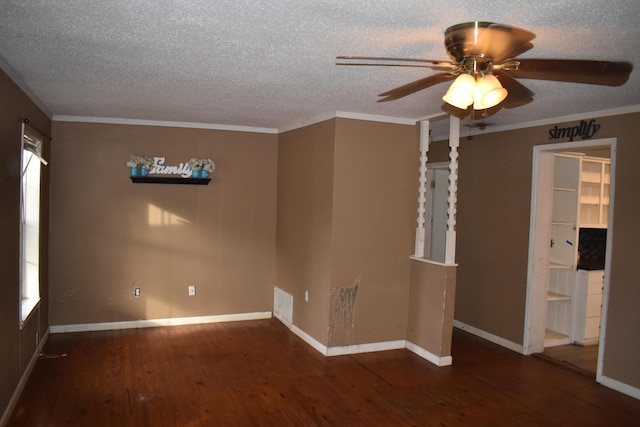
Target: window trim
point(31, 140)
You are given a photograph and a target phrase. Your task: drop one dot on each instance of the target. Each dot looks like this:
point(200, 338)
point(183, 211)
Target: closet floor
point(583, 358)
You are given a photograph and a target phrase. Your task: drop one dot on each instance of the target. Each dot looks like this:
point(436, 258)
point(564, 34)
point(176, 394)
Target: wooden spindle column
point(422, 189)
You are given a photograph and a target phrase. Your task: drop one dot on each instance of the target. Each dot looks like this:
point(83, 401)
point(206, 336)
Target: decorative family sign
point(159, 168)
point(142, 166)
point(584, 130)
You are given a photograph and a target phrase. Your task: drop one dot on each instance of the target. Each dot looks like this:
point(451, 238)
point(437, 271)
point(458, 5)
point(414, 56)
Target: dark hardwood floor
point(258, 373)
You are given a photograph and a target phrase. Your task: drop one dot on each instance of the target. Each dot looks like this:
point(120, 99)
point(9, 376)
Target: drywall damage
point(341, 325)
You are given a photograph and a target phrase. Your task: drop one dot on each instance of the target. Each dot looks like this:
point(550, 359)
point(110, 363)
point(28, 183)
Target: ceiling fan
point(484, 66)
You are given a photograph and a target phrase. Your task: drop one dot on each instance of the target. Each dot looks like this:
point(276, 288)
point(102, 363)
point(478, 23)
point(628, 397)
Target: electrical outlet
point(136, 292)
point(306, 295)
point(192, 290)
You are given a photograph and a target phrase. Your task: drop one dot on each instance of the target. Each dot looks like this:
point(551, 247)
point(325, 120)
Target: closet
point(579, 218)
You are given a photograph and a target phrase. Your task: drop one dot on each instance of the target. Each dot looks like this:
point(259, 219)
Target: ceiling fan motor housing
point(461, 39)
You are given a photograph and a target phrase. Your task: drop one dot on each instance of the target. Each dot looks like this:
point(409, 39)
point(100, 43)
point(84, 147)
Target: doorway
point(544, 246)
point(435, 217)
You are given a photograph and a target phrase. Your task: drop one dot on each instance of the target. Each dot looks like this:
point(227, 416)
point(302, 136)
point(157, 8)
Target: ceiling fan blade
point(518, 94)
point(496, 42)
point(431, 67)
point(500, 42)
point(415, 86)
point(382, 58)
point(605, 73)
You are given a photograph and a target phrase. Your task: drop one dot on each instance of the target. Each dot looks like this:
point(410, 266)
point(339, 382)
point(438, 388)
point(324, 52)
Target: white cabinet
point(595, 179)
point(587, 306)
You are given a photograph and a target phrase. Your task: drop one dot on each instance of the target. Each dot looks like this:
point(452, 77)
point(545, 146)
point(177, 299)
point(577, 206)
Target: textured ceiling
point(271, 64)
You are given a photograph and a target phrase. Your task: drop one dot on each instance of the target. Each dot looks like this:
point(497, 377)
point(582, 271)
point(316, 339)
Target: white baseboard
point(343, 350)
point(23, 380)
point(282, 320)
point(618, 386)
point(150, 323)
point(366, 348)
point(436, 360)
point(519, 348)
point(605, 381)
point(308, 339)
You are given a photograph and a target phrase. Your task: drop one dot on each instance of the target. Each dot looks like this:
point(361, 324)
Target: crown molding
point(346, 115)
point(140, 122)
point(308, 122)
point(375, 118)
point(555, 120)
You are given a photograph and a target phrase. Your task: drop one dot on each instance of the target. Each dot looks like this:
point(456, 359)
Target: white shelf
point(558, 265)
point(553, 296)
point(590, 200)
point(590, 225)
point(562, 251)
point(595, 175)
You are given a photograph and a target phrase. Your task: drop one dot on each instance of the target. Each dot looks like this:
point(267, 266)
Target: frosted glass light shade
point(488, 93)
point(460, 94)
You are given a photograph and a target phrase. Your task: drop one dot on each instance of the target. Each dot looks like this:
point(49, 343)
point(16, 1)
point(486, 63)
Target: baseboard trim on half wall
point(150, 323)
point(518, 348)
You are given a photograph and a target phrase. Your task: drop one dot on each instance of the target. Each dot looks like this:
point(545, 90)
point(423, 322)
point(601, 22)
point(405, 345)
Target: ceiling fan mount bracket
point(476, 66)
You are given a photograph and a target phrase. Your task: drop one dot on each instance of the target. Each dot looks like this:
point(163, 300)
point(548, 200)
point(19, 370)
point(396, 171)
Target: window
point(30, 221)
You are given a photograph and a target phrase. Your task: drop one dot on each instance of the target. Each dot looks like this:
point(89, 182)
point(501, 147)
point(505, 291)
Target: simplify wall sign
point(584, 130)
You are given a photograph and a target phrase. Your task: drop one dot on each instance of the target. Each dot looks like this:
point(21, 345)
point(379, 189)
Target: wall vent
point(283, 305)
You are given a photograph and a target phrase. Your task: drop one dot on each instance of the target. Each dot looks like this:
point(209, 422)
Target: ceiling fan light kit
point(488, 93)
point(461, 92)
point(485, 63)
point(483, 93)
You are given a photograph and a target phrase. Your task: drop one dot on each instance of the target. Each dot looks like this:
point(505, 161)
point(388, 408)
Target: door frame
point(538, 258)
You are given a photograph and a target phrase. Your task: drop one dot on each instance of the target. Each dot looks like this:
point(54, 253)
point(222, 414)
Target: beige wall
point(18, 345)
point(374, 220)
point(108, 233)
point(623, 321)
point(431, 306)
point(305, 203)
point(492, 239)
point(346, 214)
